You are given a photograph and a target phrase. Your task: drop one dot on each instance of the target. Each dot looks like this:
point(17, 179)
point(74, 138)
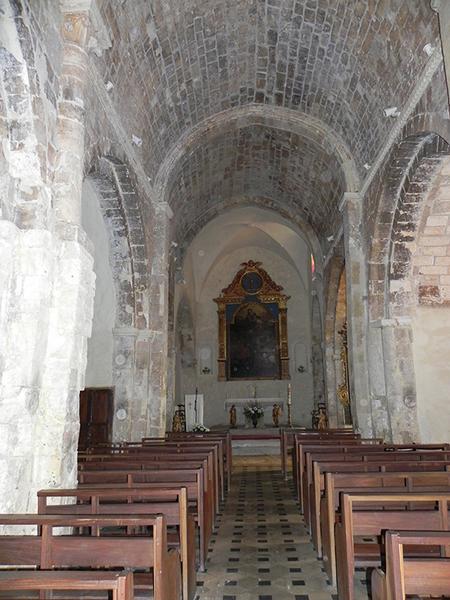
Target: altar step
point(255, 446)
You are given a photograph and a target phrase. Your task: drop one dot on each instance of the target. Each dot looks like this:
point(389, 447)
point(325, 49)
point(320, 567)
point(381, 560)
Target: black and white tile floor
point(260, 550)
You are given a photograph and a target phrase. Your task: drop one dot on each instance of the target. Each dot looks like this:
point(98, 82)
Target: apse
point(212, 263)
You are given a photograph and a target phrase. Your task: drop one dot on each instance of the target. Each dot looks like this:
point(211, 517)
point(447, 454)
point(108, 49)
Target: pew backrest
point(429, 577)
point(48, 551)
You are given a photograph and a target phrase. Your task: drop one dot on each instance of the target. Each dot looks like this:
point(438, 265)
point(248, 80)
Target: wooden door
point(96, 412)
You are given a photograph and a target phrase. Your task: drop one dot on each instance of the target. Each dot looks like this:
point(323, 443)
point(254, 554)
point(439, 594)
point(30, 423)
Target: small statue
point(322, 417)
point(177, 425)
point(182, 413)
point(276, 414)
point(233, 416)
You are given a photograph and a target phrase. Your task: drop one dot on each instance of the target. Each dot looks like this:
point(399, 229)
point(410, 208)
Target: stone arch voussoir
point(394, 208)
point(119, 203)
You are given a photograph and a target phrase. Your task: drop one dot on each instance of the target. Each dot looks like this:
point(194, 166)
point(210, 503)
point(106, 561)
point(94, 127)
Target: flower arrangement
point(198, 428)
point(253, 411)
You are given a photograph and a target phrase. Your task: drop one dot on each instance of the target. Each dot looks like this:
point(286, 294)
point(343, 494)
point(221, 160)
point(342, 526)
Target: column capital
point(385, 323)
point(141, 335)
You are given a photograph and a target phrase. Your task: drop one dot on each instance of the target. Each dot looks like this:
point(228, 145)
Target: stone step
point(255, 447)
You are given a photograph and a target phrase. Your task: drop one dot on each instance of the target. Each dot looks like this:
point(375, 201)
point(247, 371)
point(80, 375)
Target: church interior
point(225, 299)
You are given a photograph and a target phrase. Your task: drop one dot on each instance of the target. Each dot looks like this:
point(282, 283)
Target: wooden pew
point(416, 577)
point(287, 439)
point(163, 471)
point(346, 470)
point(301, 447)
point(192, 479)
point(167, 452)
point(156, 463)
point(185, 449)
point(320, 468)
point(118, 584)
point(381, 454)
point(336, 451)
point(225, 436)
point(46, 550)
point(194, 439)
point(339, 483)
point(154, 455)
point(368, 515)
point(172, 503)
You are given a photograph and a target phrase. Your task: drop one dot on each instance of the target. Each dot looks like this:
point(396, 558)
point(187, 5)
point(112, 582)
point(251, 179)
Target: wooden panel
point(427, 577)
point(95, 552)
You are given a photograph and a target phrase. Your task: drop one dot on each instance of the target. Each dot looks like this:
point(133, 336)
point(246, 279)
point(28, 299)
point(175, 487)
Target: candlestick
point(289, 406)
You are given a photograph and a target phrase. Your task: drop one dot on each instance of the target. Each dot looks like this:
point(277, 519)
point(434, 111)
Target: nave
point(261, 550)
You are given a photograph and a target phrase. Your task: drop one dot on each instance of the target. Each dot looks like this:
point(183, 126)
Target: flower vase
point(255, 420)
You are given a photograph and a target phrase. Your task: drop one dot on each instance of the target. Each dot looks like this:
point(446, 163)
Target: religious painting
point(253, 347)
point(252, 327)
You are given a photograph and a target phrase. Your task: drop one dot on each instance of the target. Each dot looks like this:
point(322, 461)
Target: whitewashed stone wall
point(47, 287)
point(46, 275)
point(100, 345)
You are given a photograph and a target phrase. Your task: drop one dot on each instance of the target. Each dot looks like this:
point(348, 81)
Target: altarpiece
point(252, 314)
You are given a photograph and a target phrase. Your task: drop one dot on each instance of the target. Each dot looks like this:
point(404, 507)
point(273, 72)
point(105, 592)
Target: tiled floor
point(260, 550)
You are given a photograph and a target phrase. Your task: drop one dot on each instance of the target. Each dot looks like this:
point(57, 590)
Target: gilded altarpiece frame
point(252, 316)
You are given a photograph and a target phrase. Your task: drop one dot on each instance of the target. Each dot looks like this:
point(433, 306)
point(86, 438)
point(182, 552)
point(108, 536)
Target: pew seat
point(364, 517)
point(170, 502)
point(118, 585)
point(157, 568)
point(403, 575)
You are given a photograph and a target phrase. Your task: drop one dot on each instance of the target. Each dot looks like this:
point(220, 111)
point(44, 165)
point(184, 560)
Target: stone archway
point(429, 274)
point(391, 297)
point(119, 205)
point(335, 307)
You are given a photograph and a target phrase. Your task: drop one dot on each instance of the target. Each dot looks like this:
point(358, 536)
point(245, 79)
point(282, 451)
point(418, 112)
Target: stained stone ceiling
point(174, 63)
point(258, 162)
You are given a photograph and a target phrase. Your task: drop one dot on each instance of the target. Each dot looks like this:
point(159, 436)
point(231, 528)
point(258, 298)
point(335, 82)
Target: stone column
point(70, 126)
point(71, 281)
point(159, 320)
point(46, 291)
point(131, 379)
point(399, 378)
point(442, 7)
point(331, 384)
point(377, 384)
point(317, 352)
point(356, 283)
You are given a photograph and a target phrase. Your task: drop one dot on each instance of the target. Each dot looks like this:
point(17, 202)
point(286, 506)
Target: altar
point(265, 403)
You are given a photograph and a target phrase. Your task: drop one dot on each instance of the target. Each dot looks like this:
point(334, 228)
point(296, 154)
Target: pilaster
point(398, 403)
point(356, 283)
point(159, 320)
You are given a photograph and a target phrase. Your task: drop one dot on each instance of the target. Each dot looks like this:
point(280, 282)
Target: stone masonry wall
point(431, 257)
point(46, 281)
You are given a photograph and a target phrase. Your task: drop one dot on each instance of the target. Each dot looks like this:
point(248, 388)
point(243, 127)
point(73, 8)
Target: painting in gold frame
point(252, 316)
